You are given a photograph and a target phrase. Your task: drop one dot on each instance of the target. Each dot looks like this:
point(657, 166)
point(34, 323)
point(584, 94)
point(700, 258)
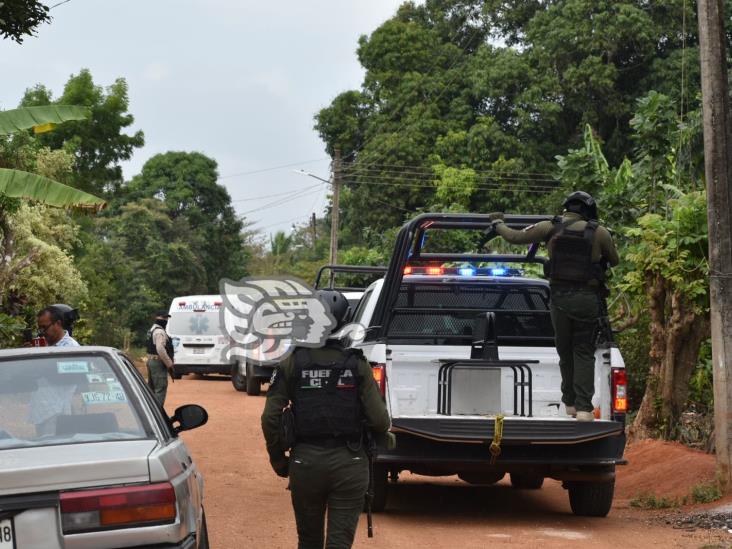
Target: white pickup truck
point(462, 350)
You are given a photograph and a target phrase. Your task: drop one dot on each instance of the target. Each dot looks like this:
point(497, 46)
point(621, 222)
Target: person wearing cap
point(159, 357)
point(580, 250)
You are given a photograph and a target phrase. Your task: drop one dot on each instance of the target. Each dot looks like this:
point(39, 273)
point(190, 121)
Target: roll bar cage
point(410, 241)
point(350, 269)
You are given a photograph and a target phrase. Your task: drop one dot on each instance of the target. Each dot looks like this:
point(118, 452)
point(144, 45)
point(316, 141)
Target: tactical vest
point(152, 350)
point(571, 254)
point(326, 402)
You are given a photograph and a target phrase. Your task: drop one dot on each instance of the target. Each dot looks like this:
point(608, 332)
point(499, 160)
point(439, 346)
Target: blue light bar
point(467, 271)
point(498, 271)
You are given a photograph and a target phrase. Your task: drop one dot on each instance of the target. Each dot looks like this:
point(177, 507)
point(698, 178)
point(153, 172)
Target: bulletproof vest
point(152, 350)
point(571, 255)
point(326, 401)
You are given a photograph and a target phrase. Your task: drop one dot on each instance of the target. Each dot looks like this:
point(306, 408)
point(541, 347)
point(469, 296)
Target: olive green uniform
point(158, 365)
point(332, 475)
point(575, 309)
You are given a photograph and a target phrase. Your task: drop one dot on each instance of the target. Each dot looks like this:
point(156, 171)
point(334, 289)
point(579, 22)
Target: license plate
point(199, 351)
point(7, 534)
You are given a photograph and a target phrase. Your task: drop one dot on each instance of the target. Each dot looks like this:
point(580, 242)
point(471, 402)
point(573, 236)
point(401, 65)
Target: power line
point(272, 168)
point(57, 5)
point(420, 169)
point(275, 203)
point(538, 190)
point(270, 195)
point(433, 177)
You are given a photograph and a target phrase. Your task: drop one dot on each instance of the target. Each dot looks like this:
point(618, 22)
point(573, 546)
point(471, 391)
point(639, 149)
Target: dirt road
point(248, 505)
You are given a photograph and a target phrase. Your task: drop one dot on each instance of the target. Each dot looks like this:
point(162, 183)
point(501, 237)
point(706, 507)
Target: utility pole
point(313, 227)
point(718, 169)
point(336, 207)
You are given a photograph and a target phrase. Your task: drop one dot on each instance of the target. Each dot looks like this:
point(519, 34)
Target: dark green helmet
point(581, 203)
point(337, 305)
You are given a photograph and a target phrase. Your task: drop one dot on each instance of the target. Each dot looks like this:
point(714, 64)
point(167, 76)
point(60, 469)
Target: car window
point(65, 399)
point(161, 418)
point(358, 315)
point(448, 314)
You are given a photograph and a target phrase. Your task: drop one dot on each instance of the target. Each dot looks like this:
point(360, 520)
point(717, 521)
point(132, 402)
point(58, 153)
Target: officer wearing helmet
point(333, 398)
point(579, 252)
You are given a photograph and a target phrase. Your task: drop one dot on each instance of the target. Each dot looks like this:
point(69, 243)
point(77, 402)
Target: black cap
point(163, 314)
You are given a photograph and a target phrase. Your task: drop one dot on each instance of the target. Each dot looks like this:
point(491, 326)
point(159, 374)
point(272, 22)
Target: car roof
point(24, 352)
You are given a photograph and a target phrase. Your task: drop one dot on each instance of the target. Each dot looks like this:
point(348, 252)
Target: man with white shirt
point(52, 325)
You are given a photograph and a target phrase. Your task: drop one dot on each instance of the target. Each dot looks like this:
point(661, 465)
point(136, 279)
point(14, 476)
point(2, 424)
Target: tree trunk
point(677, 332)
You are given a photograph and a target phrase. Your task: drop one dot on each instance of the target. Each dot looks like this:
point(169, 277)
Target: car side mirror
point(189, 416)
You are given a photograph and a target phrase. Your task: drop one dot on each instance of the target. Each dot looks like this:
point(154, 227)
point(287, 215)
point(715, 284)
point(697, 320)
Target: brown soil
point(665, 469)
point(247, 505)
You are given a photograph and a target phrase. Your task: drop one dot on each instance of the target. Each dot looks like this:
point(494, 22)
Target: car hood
point(47, 468)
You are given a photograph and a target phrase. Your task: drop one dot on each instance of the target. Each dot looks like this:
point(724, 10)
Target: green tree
point(21, 18)
point(186, 185)
point(658, 205)
point(100, 143)
point(136, 262)
point(436, 88)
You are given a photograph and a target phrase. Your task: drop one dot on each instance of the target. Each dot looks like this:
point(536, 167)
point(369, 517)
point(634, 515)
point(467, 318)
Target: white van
point(197, 337)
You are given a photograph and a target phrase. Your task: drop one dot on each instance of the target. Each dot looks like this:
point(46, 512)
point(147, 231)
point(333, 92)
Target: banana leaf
point(19, 184)
point(15, 120)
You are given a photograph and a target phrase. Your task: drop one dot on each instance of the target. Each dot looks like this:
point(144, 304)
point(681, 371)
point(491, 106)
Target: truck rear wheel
point(526, 481)
point(591, 499)
point(237, 379)
point(254, 386)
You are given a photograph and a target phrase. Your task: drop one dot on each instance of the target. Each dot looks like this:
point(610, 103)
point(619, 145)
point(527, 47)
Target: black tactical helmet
point(68, 315)
point(336, 303)
point(582, 203)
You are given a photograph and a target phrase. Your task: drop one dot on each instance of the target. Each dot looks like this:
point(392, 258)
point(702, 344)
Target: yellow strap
point(495, 448)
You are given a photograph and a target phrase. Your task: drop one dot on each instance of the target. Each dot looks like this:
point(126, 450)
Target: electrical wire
point(272, 168)
point(354, 167)
point(507, 188)
point(428, 178)
point(300, 194)
point(58, 4)
point(270, 195)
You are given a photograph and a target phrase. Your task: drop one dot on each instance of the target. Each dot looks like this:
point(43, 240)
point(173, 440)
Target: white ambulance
point(197, 336)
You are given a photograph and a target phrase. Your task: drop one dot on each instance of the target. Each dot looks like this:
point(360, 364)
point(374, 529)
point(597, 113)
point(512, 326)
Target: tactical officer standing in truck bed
point(333, 397)
point(579, 252)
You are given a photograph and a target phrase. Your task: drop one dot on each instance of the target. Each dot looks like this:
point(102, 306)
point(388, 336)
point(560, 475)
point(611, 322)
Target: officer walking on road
point(579, 252)
point(159, 357)
point(333, 397)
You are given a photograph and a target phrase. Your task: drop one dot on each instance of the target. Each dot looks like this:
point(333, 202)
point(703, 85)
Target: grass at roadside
point(700, 493)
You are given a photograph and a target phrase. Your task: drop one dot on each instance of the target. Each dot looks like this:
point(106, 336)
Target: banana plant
point(21, 184)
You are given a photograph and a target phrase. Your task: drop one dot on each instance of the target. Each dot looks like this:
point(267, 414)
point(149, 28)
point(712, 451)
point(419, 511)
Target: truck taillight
point(619, 390)
point(86, 510)
point(379, 371)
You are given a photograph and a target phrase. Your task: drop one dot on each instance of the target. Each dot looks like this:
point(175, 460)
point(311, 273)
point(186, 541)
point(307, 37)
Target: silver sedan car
point(89, 460)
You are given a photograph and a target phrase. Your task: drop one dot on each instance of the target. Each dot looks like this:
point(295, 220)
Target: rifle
point(371, 452)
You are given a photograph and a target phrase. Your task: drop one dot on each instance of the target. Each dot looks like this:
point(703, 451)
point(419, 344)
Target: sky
point(238, 80)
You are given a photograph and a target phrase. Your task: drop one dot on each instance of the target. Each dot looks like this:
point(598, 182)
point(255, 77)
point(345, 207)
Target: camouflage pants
point(335, 479)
